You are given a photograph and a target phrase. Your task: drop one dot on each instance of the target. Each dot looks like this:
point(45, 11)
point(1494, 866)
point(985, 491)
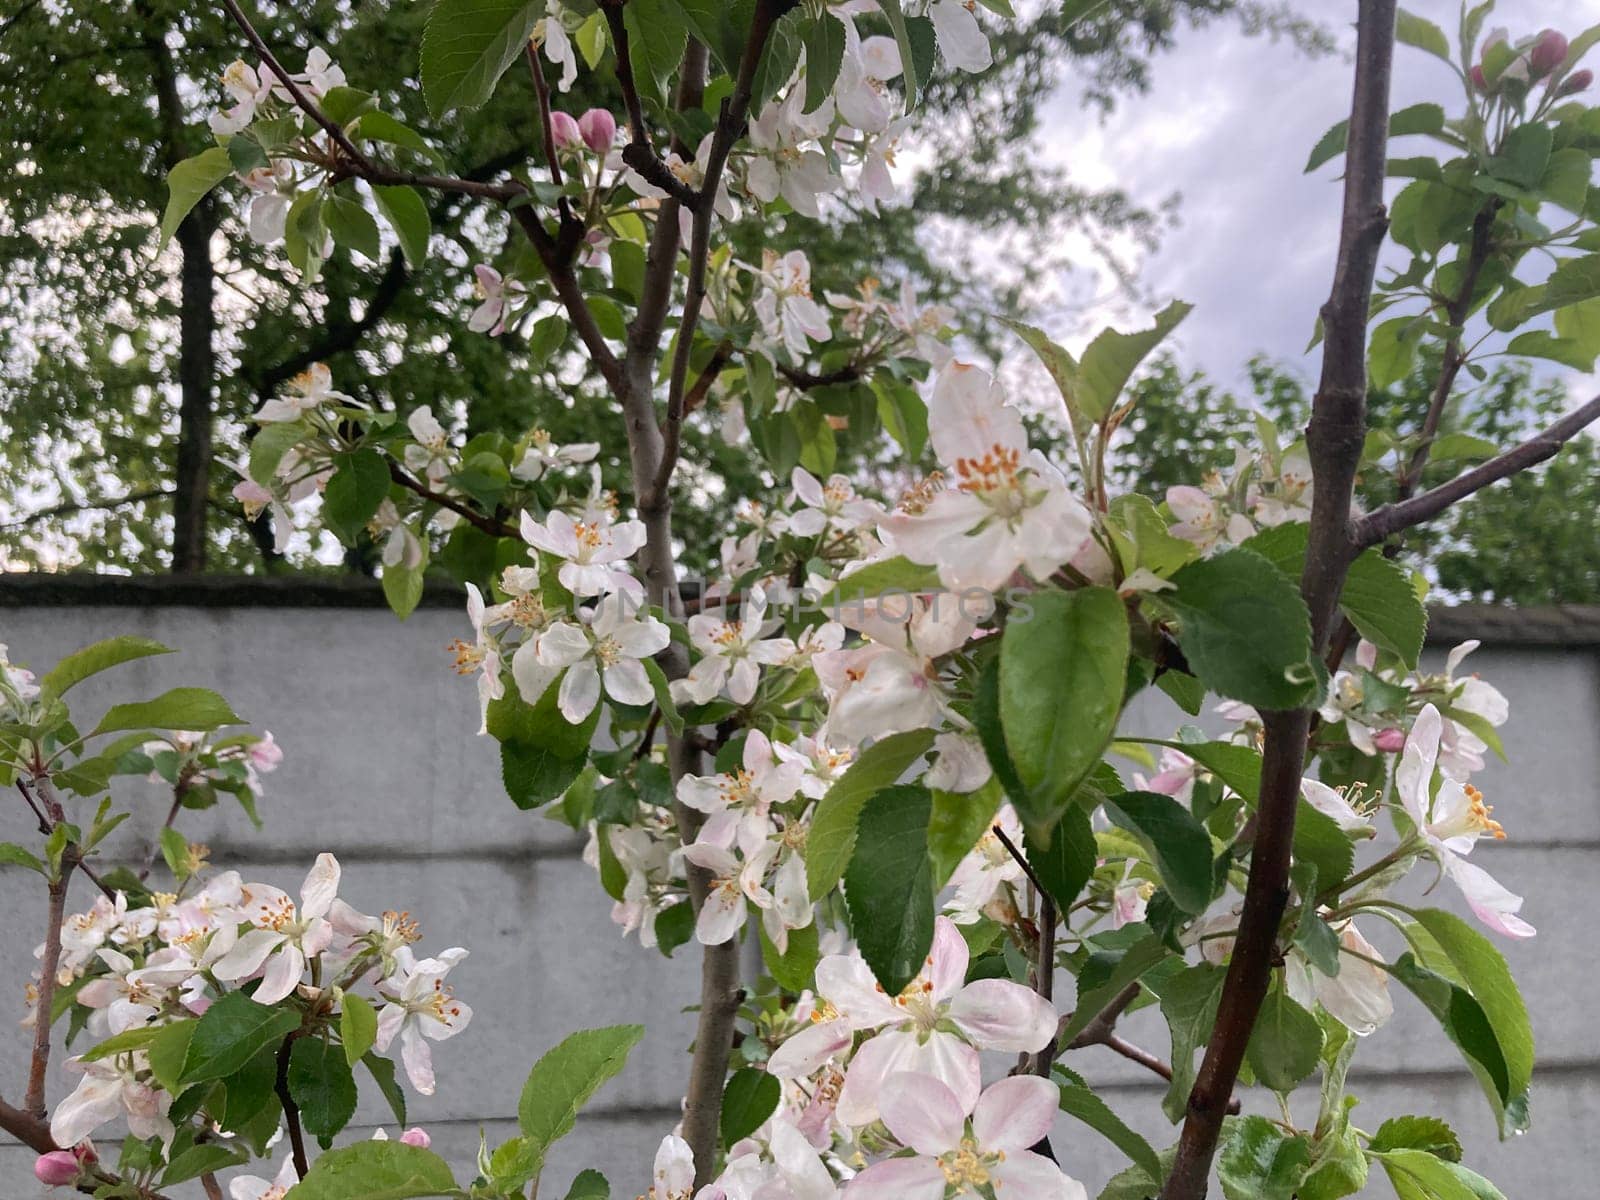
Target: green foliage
point(1259, 1160)
point(750, 1097)
point(376, 1170)
point(1062, 674)
point(1081, 1102)
point(91, 660)
point(468, 45)
point(831, 843)
point(180, 708)
point(320, 1081)
point(230, 1033)
point(1286, 1041)
point(1178, 845)
point(1068, 861)
point(566, 1077)
point(889, 885)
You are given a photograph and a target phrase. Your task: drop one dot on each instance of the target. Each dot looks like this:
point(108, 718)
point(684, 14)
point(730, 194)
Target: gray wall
point(383, 769)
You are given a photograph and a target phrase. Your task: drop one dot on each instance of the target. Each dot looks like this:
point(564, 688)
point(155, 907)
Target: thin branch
point(547, 129)
point(489, 525)
point(640, 153)
point(806, 380)
point(1334, 440)
point(1016, 854)
point(213, 1189)
point(291, 1111)
point(49, 965)
point(1385, 522)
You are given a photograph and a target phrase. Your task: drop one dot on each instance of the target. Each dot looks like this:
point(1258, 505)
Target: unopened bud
point(58, 1168)
point(1548, 53)
point(599, 129)
point(416, 1136)
point(1478, 79)
point(1390, 741)
point(1578, 81)
point(565, 129)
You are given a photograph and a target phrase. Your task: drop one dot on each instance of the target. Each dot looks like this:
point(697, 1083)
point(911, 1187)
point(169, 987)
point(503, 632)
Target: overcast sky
point(1229, 122)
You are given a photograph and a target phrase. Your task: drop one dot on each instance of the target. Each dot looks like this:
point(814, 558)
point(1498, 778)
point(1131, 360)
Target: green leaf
point(824, 42)
point(1244, 629)
point(169, 1050)
point(468, 45)
point(563, 1080)
point(1259, 1161)
point(230, 1033)
point(1068, 862)
point(14, 855)
point(656, 38)
point(375, 1170)
point(1062, 676)
point(359, 484)
point(894, 577)
point(1083, 1104)
point(1239, 767)
point(748, 1099)
point(1060, 365)
point(353, 226)
point(1412, 30)
point(1318, 942)
point(794, 969)
point(902, 39)
point(541, 753)
point(1134, 963)
point(1417, 119)
point(589, 1185)
point(959, 821)
point(382, 1072)
point(407, 215)
point(91, 660)
point(1524, 155)
point(1112, 357)
point(1319, 840)
point(1392, 350)
point(358, 1027)
point(320, 1081)
point(889, 884)
point(1417, 1133)
point(1419, 1175)
point(381, 127)
point(1463, 1020)
point(180, 708)
point(187, 184)
point(1178, 845)
point(402, 587)
point(1384, 607)
point(1189, 1004)
point(271, 442)
point(1483, 969)
point(832, 841)
point(1286, 1041)
point(208, 1157)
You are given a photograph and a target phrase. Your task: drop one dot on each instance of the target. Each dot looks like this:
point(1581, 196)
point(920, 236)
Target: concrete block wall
point(382, 768)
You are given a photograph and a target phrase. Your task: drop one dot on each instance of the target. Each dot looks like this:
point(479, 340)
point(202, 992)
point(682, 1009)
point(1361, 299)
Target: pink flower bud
point(1390, 741)
point(1548, 53)
point(565, 129)
point(599, 129)
point(266, 754)
point(418, 1137)
point(1478, 79)
point(1578, 81)
point(58, 1168)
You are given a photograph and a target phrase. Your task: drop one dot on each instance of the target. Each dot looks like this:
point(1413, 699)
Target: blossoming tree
point(884, 744)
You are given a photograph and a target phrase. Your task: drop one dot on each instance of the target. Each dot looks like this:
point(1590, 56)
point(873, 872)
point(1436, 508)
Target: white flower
point(605, 652)
point(822, 765)
point(858, 91)
point(273, 186)
point(322, 74)
point(249, 88)
point(482, 654)
point(421, 1005)
point(429, 455)
point(111, 1087)
point(985, 878)
point(1460, 749)
point(402, 547)
point(283, 938)
point(785, 307)
point(732, 883)
point(891, 683)
point(595, 552)
point(494, 294)
point(673, 1177)
point(1357, 997)
point(732, 653)
point(962, 42)
point(557, 45)
point(253, 1187)
point(961, 767)
point(544, 455)
point(1451, 821)
point(831, 508)
point(307, 391)
point(784, 164)
point(738, 802)
point(1007, 507)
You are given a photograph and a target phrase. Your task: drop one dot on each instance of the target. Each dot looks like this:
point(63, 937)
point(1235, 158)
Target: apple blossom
point(249, 89)
point(543, 456)
point(784, 164)
point(1451, 821)
point(482, 654)
point(785, 308)
point(738, 804)
point(989, 1156)
point(495, 294)
point(429, 455)
point(598, 128)
point(421, 1008)
point(732, 653)
point(284, 937)
point(986, 879)
point(1007, 507)
point(57, 1168)
point(604, 651)
point(557, 44)
point(962, 42)
point(1357, 996)
point(594, 553)
point(108, 1088)
point(306, 392)
point(253, 1187)
point(564, 127)
point(831, 508)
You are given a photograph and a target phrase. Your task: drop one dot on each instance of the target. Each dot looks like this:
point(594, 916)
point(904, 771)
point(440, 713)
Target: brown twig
point(1334, 440)
point(1383, 523)
point(472, 516)
point(547, 128)
point(291, 1110)
point(49, 965)
point(640, 153)
point(213, 1189)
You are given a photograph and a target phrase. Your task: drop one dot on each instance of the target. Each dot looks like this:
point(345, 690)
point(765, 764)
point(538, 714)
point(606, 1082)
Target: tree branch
point(291, 1111)
point(1334, 440)
point(49, 964)
point(640, 153)
point(547, 129)
point(1383, 523)
point(489, 525)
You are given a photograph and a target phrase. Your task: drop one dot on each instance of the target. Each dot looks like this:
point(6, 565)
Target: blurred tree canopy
point(128, 377)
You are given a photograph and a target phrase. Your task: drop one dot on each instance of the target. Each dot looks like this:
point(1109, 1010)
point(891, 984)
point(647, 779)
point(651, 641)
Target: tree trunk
point(196, 376)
